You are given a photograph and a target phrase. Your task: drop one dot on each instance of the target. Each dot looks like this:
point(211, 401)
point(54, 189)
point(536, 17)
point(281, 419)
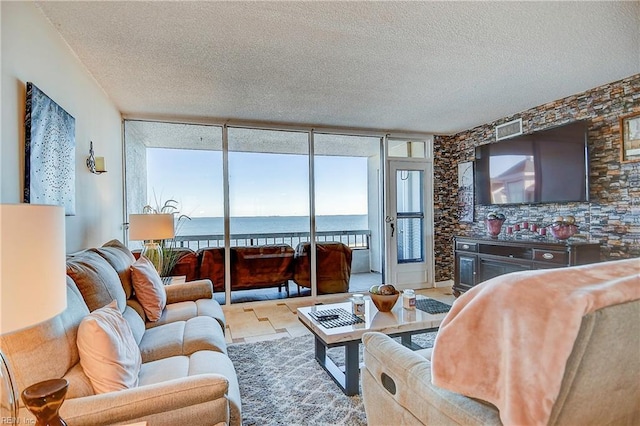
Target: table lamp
point(149, 228)
point(32, 288)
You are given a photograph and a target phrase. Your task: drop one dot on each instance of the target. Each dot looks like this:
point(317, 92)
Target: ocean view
point(270, 224)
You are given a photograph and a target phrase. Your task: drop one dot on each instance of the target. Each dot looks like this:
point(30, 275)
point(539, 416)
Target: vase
point(494, 226)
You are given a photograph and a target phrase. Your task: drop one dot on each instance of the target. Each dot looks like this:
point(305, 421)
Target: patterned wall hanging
point(465, 191)
point(50, 148)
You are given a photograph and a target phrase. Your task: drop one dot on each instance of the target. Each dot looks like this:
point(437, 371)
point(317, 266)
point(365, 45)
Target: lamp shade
point(32, 265)
point(151, 226)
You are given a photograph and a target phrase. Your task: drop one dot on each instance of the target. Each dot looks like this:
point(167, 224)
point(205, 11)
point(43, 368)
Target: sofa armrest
point(189, 291)
point(150, 400)
point(396, 387)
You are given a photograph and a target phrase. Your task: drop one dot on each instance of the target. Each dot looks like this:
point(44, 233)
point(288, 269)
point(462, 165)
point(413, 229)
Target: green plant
point(170, 251)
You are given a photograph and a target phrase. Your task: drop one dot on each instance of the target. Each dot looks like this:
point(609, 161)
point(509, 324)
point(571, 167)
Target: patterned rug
point(282, 384)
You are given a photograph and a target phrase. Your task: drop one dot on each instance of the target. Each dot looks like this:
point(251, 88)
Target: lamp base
point(44, 400)
point(153, 252)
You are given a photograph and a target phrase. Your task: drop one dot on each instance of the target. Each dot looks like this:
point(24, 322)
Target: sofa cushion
point(183, 311)
point(149, 288)
point(109, 354)
point(96, 279)
point(202, 362)
point(120, 258)
point(182, 338)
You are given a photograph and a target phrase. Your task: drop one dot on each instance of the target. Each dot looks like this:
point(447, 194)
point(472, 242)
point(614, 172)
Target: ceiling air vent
point(508, 130)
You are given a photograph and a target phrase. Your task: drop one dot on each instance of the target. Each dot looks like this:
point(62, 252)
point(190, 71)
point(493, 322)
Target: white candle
point(100, 164)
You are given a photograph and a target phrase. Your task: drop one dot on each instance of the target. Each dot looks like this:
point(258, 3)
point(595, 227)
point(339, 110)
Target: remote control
point(327, 317)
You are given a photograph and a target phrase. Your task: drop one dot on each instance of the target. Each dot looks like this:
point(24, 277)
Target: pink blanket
point(507, 340)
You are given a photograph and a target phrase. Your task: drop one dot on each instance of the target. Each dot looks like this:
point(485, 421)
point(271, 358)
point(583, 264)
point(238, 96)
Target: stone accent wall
point(611, 217)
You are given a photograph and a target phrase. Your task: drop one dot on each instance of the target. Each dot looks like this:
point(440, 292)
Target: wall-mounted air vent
point(509, 130)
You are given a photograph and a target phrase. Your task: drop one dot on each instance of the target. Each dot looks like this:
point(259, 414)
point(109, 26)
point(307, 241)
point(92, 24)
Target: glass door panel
point(268, 209)
point(410, 215)
point(181, 163)
point(347, 207)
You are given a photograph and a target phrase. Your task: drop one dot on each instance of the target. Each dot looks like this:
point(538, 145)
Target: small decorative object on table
point(44, 400)
point(494, 223)
point(358, 304)
point(563, 227)
point(384, 297)
point(409, 299)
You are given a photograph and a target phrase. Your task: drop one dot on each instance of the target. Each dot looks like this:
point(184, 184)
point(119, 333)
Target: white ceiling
point(436, 67)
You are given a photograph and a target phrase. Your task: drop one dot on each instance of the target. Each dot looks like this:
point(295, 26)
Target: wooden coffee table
point(397, 323)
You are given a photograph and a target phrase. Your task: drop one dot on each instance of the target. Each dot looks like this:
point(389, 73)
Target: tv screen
point(550, 166)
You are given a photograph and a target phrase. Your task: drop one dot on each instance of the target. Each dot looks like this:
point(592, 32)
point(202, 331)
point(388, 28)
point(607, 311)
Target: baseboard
point(441, 284)
point(423, 286)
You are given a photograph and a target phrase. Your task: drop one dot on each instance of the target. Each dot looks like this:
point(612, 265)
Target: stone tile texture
point(611, 217)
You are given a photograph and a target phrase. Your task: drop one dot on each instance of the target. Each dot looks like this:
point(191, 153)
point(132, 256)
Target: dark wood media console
point(478, 259)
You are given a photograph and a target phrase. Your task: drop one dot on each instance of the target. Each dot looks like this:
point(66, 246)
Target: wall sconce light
point(95, 165)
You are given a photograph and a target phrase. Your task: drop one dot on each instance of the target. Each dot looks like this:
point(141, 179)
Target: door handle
point(393, 229)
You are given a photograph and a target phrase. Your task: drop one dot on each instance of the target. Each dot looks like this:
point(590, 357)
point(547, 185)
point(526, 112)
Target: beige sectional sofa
point(186, 376)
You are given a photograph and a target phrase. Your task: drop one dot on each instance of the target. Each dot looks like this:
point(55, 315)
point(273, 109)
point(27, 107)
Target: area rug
point(282, 384)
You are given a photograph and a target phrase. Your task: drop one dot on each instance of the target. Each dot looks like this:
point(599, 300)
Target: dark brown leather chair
point(333, 267)
point(211, 261)
point(187, 264)
point(261, 267)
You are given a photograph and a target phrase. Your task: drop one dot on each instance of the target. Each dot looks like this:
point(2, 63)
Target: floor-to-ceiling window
point(251, 201)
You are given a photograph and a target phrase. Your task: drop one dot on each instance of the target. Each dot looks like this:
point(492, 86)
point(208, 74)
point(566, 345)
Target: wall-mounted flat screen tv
point(550, 166)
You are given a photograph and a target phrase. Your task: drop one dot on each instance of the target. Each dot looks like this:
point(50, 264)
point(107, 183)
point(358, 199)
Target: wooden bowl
point(384, 302)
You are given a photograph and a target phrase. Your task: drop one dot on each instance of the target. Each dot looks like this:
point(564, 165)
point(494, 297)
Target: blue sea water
point(270, 224)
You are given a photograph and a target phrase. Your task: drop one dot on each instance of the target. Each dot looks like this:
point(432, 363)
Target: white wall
point(33, 51)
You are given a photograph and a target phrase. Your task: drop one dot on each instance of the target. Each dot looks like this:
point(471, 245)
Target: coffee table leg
point(349, 378)
point(405, 339)
point(351, 368)
point(321, 351)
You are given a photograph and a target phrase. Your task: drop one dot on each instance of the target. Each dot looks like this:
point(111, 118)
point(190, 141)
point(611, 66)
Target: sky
point(260, 184)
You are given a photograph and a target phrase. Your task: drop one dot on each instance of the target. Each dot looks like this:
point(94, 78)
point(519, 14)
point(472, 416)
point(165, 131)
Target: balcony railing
point(356, 239)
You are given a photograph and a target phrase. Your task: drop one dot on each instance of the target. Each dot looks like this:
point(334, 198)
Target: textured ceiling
point(436, 67)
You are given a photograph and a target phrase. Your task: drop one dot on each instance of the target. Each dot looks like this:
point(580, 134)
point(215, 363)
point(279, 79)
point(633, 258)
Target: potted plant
point(170, 254)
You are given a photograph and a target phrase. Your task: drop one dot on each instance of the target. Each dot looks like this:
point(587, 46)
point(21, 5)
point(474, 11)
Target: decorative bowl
point(562, 231)
point(384, 302)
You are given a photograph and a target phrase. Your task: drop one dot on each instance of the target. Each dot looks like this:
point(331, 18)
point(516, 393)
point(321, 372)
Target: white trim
point(313, 275)
point(302, 127)
point(227, 215)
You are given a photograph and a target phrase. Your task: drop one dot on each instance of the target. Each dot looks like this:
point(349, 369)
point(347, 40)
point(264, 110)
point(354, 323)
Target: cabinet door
point(493, 268)
point(465, 271)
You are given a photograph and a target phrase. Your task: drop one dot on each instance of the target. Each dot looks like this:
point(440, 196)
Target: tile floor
point(272, 319)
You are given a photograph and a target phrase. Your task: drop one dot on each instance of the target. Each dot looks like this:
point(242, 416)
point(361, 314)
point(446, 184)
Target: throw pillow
point(149, 289)
point(109, 354)
point(120, 258)
point(96, 279)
